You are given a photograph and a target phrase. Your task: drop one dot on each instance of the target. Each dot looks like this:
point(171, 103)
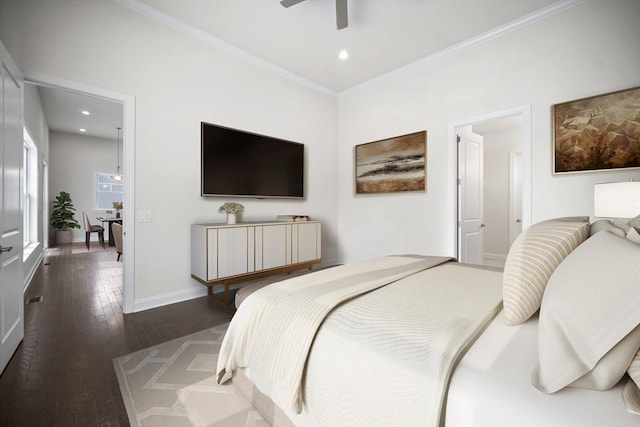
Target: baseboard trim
point(142, 304)
point(197, 292)
point(495, 257)
point(32, 272)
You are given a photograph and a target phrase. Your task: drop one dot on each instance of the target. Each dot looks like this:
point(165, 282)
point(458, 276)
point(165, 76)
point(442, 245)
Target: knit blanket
point(274, 328)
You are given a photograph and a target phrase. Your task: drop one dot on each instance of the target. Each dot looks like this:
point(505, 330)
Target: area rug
point(173, 384)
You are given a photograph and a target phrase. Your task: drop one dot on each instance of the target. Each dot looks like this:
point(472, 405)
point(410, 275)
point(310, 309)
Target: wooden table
point(110, 221)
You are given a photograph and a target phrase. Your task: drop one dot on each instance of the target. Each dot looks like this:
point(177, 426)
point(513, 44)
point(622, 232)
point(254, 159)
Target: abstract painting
point(392, 165)
point(597, 133)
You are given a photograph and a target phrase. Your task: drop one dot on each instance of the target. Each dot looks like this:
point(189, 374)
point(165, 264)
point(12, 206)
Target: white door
point(515, 195)
point(11, 143)
point(470, 196)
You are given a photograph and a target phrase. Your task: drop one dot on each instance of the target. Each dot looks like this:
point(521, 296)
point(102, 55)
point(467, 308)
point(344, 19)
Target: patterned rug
point(173, 384)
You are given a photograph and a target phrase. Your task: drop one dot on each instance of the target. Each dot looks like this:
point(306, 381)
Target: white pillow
point(533, 257)
point(589, 326)
point(622, 224)
point(606, 225)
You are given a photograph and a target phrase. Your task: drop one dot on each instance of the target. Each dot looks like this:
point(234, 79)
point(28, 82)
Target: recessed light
point(344, 54)
point(85, 112)
point(82, 130)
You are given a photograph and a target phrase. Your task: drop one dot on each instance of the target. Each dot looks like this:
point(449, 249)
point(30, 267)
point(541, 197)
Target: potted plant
point(232, 209)
point(118, 207)
point(62, 218)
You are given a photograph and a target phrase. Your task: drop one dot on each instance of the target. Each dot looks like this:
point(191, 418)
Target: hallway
point(62, 373)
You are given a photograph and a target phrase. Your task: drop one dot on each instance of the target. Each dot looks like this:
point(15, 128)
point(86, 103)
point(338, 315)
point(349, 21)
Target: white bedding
point(492, 387)
point(274, 328)
point(385, 357)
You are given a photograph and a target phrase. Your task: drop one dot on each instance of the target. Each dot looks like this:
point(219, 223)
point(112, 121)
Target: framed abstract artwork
point(597, 133)
point(392, 165)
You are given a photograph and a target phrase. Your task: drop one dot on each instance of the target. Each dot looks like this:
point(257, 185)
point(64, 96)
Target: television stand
point(223, 254)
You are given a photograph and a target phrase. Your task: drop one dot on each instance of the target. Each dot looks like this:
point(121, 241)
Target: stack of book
point(292, 218)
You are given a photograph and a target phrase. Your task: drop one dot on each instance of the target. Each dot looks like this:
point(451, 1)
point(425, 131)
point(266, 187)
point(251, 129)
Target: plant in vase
point(118, 207)
point(232, 209)
point(62, 218)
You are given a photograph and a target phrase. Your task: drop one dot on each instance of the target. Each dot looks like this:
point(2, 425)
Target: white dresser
point(226, 254)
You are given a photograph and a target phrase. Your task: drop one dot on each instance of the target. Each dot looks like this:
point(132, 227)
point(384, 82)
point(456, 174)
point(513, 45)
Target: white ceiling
point(302, 42)
point(382, 35)
point(63, 110)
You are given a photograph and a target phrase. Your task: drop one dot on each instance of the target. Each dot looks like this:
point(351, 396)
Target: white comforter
point(381, 359)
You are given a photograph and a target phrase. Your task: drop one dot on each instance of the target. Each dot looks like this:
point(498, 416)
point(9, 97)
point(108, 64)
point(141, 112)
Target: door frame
point(525, 112)
point(513, 163)
point(45, 202)
point(128, 151)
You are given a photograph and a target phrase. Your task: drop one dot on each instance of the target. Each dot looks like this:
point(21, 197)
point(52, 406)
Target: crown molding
point(475, 41)
point(179, 25)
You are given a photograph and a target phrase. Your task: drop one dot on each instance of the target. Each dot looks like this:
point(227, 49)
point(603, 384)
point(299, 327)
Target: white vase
point(231, 218)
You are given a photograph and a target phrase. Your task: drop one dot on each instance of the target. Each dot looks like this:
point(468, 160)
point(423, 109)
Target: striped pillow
point(534, 255)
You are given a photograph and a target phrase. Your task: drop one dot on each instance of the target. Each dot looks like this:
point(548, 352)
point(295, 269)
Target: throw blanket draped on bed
point(274, 328)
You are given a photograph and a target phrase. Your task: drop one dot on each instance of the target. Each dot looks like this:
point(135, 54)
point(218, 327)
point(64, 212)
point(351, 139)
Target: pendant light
point(117, 176)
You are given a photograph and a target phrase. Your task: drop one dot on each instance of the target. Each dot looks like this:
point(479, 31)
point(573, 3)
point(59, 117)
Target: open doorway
point(126, 105)
point(493, 191)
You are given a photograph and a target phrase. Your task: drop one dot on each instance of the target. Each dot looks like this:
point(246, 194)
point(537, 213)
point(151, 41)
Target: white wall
point(177, 82)
point(74, 161)
point(588, 49)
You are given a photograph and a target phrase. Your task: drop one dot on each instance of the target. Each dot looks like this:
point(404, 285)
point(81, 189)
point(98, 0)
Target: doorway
point(128, 150)
point(493, 184)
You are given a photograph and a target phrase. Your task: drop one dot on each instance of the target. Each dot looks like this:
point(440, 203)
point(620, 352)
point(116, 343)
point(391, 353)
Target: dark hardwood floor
point(62, 374)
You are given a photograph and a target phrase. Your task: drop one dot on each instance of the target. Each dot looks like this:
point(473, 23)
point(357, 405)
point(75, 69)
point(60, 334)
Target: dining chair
point(89, 228)
point(117, 238)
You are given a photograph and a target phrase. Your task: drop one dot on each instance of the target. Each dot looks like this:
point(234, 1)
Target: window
point(29, 191)
point(108, 191)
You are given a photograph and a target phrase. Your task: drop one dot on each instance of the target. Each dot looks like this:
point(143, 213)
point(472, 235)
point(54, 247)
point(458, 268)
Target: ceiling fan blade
point(289, 3)
point(341, 14)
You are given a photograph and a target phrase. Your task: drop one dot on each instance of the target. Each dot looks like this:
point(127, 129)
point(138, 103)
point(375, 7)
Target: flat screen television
point(244, 164)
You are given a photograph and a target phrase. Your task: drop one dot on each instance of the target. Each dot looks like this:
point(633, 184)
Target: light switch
point(144, 216)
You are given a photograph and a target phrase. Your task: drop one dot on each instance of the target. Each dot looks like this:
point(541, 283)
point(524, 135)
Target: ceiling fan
point(341, 11)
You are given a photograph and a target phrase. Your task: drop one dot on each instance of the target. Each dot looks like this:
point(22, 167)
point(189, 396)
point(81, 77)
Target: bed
point(414, 340)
